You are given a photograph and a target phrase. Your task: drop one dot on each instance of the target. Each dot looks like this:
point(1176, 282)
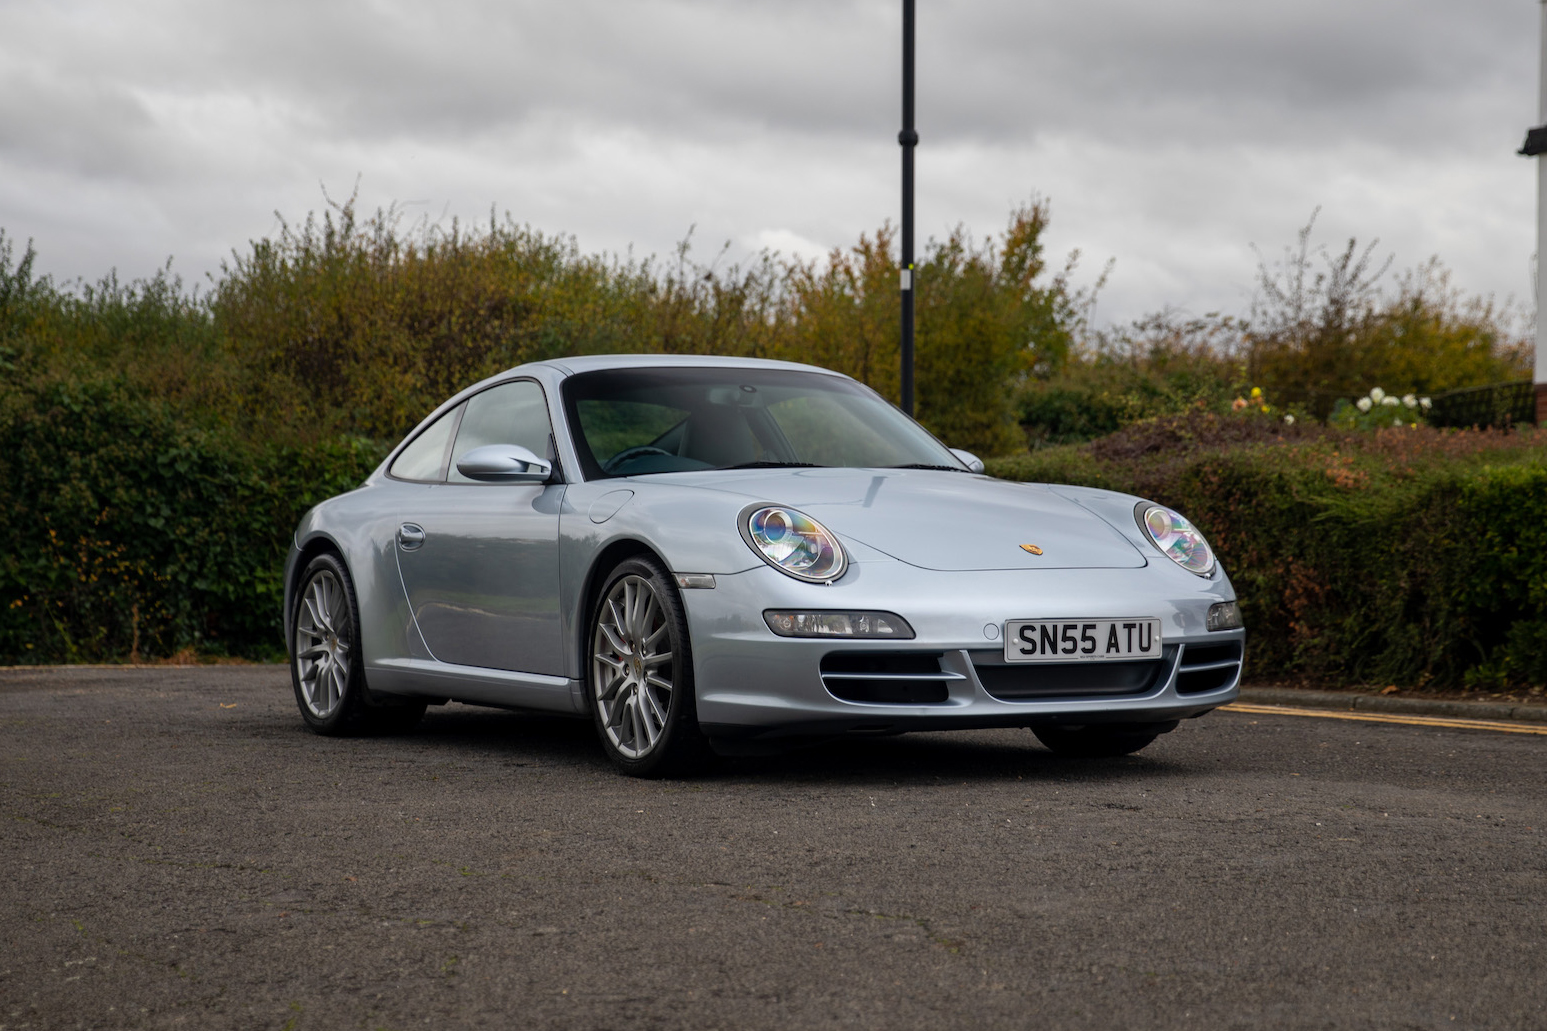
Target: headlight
point(838, 624)
point(1176, 538)
point(794, 543)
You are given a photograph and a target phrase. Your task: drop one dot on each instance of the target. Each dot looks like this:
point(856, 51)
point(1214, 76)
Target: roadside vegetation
point(157, 443)
point(1403, 556)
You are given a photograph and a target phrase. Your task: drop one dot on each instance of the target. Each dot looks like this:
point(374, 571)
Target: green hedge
point(1408, 557)
point(125, 532)
point(1414, 557)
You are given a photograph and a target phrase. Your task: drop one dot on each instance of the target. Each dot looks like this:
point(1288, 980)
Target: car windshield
point(628, 422)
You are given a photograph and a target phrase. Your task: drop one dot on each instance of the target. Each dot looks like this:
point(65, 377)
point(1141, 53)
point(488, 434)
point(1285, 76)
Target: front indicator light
point(1225, 615)
point(885, 625)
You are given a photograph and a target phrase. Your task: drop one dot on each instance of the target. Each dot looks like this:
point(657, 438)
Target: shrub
point(126, 533)
point(363, 326)
point(1165, 364)
point(1323, 327)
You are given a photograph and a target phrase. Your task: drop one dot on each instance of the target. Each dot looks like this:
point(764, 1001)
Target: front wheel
point(326, 668)
point(641, 674)
point(1100, 740)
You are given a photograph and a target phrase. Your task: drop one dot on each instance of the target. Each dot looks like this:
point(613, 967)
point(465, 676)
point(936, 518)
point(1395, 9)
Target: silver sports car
point(714, 555)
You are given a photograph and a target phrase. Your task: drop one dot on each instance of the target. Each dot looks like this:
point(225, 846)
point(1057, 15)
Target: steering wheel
point(612, 464)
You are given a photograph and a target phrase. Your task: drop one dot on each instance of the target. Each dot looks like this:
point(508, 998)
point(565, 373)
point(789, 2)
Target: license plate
point(1084, 640)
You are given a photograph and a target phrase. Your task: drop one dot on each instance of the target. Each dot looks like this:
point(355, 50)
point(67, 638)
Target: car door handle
point(410, 536)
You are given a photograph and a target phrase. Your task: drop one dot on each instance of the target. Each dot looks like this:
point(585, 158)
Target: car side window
point(511, 413)
point(425, 459)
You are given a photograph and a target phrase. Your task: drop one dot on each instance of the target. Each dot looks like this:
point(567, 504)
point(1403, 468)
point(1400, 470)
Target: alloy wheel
point(631, 667)
point(322, 644)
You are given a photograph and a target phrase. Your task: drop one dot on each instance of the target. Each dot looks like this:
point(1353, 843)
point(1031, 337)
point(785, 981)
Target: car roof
point(592, 362)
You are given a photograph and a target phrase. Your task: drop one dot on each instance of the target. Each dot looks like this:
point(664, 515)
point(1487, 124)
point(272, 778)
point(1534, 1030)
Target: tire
point(327, 669)
point(1099, 741)
point(642, 699)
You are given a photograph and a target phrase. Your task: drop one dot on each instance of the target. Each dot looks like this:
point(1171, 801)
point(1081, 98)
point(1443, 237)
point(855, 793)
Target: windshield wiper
point(774, 465)
point(925, 465)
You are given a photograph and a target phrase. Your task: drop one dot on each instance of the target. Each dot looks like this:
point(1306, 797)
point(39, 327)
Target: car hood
point(936, 520)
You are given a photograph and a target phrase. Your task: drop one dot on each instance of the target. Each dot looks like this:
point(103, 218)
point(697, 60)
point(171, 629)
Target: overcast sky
point(1169, 137)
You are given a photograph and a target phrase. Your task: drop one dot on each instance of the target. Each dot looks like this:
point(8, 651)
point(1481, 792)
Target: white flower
point(1390, 401)
point(1396, 422)
point(1377, 395)
point(1289, 420)
point(1363, 404)
point(1410, 400)
point(1425, 403)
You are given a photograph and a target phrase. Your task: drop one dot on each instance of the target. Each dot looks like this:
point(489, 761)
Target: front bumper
point(753, 686)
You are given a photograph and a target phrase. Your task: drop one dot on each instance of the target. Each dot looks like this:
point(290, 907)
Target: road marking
point(1416, 721)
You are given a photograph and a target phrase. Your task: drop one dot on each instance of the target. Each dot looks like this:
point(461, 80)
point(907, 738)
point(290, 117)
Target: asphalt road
point(179, 851)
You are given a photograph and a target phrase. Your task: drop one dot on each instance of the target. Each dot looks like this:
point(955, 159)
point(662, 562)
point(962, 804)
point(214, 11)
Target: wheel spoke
point(655, 717)
point(617, 712)
point(619, 616)
point(336, 685)
point(642, 617)
point(636, 724)
point(319, 606)
point(610, 691)
point(325, 600)
point(613, 639)
point(311, 611)
point(658, 659)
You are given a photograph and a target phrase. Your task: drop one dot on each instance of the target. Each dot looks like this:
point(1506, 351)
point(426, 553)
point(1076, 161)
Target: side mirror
point(504, 463)
point(970, 460)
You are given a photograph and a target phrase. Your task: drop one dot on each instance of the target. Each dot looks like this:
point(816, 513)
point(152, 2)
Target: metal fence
point(1498, 404)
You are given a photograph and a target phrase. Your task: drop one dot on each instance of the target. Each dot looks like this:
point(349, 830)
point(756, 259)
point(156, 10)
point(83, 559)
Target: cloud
point(1171, 137)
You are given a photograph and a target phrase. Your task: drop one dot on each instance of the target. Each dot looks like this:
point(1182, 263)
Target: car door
point(480, 561)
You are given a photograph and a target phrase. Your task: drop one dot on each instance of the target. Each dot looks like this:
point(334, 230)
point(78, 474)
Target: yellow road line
point(1369, 717)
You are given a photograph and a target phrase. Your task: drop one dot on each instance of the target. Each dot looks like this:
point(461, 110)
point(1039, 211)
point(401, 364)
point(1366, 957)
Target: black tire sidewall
point(681, 747)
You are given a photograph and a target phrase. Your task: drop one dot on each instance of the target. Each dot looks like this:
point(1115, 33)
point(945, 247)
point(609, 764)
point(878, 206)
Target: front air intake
point(1209, 667)
point(887, 678)
point(1017, 682)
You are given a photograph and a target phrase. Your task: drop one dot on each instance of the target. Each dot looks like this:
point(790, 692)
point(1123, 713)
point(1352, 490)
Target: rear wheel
point(326, 668)
point(1101, 739)
point(641, 674)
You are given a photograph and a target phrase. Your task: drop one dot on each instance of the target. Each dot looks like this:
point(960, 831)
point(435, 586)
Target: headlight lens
point(1176, 538)
point(838, 624)
point(794, 543)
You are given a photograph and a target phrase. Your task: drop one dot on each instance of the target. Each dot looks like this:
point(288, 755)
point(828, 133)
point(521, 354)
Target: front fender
point(690, 529)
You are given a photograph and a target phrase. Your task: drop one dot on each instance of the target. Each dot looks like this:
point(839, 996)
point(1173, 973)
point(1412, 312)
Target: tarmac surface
point(180, 852)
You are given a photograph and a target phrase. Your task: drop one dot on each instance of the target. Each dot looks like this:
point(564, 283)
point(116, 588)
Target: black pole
point(909, 138)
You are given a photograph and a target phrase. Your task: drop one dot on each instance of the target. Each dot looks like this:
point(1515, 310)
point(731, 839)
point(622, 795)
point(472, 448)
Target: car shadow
point(922, 758)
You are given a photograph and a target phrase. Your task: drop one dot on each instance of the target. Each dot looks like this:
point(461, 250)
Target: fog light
point(1224, 615)
point(838, 624)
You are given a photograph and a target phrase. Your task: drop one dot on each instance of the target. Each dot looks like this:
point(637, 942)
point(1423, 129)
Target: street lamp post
point(909, 139)
point(1536, 146)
